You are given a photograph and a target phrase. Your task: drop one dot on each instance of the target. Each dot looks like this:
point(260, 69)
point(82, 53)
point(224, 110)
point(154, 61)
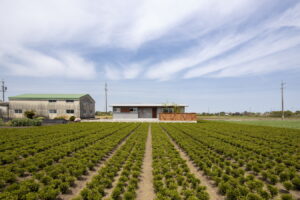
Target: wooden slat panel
point(178, 117)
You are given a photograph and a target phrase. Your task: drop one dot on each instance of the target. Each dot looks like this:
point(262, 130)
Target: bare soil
point(205, 181)
point(146, 191)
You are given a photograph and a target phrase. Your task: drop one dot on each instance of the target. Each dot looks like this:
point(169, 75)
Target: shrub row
point(172, 177)
point(127, 159)
point(58, 174)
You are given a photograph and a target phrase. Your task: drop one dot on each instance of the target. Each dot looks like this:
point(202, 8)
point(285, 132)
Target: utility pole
point(282, 100)
point(3, 90)
point(106, 97)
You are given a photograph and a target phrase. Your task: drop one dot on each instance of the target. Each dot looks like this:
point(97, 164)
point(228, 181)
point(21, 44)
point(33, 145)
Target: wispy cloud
point(54, 38)
point(25, 62)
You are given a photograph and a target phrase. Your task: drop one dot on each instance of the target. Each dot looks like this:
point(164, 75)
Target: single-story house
point(52, 105)
point(154, 111)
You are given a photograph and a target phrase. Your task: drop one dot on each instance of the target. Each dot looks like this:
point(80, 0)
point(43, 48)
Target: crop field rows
point(93, 161)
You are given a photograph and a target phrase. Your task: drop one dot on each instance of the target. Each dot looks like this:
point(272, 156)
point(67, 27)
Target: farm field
point(273, 123)
point(91, 161)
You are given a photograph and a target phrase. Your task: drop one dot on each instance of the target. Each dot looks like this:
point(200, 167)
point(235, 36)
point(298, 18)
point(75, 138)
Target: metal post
point(282, 100)
point(105, 97)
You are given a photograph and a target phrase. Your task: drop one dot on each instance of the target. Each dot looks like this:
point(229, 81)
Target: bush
point(72, 118)
point(288, 185)
point(29, 114)
point(26, 122)
point(273, 190)
point(296, 183)
point(1, 122)
point(287, 197)
point(252, 196)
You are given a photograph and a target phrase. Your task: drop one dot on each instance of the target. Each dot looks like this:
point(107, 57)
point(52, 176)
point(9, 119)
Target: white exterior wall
point(42, 107)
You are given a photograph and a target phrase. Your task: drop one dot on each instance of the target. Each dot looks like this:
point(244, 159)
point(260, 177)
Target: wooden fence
point(177, 117)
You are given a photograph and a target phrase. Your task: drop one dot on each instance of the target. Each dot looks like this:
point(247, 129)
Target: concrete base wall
point(125, 115)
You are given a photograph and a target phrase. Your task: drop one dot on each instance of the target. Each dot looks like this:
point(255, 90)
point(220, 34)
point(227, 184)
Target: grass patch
point(273, 123)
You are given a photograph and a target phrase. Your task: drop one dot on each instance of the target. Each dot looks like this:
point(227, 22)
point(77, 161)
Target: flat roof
point(46, 96)
point(148, 105)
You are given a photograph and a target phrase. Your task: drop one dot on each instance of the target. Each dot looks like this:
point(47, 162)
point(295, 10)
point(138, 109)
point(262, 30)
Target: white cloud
point(267, 38)
point(275, 62)
point(125, 72)
point(25, 62)
point(125, 24)
point(270, 44)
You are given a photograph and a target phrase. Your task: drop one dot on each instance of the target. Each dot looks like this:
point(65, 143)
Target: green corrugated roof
point(47, 96)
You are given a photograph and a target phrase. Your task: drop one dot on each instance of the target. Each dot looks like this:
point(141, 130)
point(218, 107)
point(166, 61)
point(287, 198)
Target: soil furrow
point(146, 191)
point(210, 188)
point(80, 184)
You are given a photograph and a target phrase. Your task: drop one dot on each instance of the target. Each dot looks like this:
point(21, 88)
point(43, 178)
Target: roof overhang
point(148, 105)
point(47, 97)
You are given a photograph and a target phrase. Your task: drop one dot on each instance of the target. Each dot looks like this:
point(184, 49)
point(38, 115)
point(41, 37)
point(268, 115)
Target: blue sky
point(212, 55)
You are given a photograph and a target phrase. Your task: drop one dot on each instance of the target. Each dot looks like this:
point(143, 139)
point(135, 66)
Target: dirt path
point(80, 184)
point(210, 188)
point(146, 191)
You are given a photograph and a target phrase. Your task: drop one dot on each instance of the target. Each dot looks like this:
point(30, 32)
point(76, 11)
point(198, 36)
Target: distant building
point(151, 111)
point(4, 109)
point(52, 105)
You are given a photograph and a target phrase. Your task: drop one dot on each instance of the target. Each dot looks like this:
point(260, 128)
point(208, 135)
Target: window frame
point(133, 109)
point(18, 111)
point(52, 100)
point(117, 110)
point(70, 111)
point(69, 101)
point(50, 111)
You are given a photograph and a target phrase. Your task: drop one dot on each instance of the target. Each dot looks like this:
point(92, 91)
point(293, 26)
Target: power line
point(3, 90)
point(106, 97)
point(282, 99)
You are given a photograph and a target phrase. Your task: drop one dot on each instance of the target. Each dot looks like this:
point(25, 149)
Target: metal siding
point(42, 108)
point(145, 112)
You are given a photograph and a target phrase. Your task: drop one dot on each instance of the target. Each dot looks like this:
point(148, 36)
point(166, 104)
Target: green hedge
point(26, 122)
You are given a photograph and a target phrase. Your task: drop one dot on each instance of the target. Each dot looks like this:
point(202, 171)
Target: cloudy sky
point(214, 55)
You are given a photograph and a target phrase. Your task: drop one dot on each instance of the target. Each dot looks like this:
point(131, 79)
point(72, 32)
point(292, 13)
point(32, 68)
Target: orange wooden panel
point(178, 117)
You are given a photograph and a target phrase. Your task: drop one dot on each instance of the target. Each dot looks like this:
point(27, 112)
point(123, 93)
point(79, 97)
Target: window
point(52, 111)
point(117, 110)
point(70, 111)
point(51, 101)
point(18, 111)
point(69, 101)
point(132, 109)
point(168, 110)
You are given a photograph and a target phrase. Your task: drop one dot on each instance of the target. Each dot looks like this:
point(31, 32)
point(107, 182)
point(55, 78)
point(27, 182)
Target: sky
point(213, 55)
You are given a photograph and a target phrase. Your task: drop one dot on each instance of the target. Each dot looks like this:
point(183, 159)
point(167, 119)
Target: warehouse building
point(52, 105)
point(3, 109)
point(161, 112)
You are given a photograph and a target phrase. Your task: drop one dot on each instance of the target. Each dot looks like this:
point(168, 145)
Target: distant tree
point(222, 113)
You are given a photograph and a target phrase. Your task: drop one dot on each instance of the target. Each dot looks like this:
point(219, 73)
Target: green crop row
point(242, 168)
point(31, 147)
point(126, 164)
point(57, 176)
point(172, 177)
